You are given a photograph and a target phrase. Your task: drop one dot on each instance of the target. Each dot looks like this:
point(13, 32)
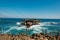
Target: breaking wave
point(33, 29)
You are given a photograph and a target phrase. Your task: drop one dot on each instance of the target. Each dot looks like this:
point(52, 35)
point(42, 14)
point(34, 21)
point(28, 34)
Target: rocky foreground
point(40, 36)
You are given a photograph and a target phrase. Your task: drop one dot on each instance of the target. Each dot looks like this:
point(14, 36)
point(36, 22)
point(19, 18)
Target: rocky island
point(30, 22)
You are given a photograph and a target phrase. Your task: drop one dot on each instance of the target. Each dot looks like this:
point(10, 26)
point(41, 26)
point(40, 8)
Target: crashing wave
point(34, 28)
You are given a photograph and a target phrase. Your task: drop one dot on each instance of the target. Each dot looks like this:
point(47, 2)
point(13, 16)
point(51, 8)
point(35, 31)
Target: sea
point(13, 26)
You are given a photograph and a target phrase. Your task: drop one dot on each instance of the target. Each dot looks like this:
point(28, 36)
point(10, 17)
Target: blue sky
point(30, 9)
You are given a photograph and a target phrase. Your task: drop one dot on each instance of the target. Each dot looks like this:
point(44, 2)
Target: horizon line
point(33, 18)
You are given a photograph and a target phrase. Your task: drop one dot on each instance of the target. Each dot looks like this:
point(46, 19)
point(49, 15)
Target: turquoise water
point(10, 26)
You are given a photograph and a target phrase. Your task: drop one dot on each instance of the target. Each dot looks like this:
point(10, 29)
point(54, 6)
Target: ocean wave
point(35, 28)
point(51, 23)
point(14, 27)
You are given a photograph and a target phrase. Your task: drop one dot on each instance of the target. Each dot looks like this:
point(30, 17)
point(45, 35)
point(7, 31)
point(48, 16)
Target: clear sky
point(30, 9)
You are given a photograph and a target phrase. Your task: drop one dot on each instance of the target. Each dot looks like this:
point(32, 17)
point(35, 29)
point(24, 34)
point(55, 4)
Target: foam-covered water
point(11, 26)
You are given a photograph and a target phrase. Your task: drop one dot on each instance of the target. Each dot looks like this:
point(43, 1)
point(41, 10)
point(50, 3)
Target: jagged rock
point(30, 22)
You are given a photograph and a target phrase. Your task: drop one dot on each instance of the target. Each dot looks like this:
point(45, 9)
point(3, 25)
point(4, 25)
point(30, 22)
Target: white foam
point(19, 28)
point(18, 23)
point(54, 22)
point(35, 28)
point(49, 23)
point(14, 27)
